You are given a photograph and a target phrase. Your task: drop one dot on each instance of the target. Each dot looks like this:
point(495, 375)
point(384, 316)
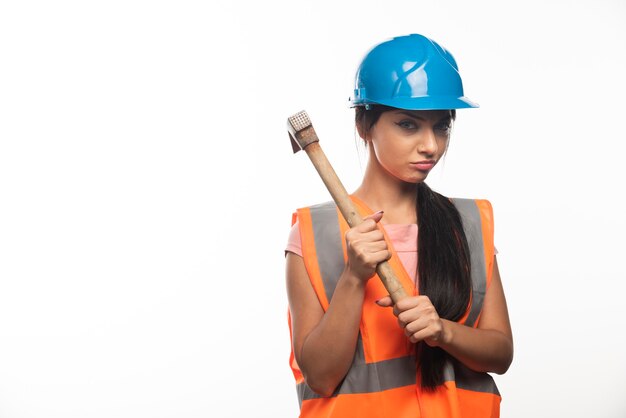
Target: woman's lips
point(423, 165)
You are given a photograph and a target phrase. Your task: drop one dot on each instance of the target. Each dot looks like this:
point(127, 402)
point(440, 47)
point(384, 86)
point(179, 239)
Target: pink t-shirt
point(403, 238)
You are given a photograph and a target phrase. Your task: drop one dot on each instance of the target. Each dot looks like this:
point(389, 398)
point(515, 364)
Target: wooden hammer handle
point(350, 213)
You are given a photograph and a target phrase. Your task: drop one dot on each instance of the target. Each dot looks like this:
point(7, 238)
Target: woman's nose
point(428, 143)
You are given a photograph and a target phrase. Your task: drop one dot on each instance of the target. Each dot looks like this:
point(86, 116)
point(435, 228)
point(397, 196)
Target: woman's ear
point(361, 131)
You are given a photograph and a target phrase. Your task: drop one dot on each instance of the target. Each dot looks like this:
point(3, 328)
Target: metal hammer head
point(301, 132)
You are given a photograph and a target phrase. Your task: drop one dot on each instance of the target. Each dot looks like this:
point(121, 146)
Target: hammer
point(303, 137)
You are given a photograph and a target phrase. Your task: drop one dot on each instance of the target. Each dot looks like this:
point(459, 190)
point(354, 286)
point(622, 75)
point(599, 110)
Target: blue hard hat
point(410, 72)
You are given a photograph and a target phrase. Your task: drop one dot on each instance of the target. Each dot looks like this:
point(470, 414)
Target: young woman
point(355, 353)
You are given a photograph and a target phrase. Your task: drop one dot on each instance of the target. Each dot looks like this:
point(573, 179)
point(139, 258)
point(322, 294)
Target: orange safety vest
point(383, 379)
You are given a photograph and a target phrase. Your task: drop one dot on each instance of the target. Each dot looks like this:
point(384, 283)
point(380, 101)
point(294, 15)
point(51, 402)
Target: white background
point(147, 185)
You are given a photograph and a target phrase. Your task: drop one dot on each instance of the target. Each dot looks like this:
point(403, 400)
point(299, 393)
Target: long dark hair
point(443, 263)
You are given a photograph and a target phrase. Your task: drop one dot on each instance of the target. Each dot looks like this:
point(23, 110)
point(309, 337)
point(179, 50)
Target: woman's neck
point(382, 191)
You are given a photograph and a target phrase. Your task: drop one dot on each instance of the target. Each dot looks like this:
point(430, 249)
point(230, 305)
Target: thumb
point(376, 216)
point(385, 302)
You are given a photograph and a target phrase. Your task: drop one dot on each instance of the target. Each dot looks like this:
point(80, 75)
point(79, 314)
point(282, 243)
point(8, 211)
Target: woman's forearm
point(482, 350)
point(328, 350)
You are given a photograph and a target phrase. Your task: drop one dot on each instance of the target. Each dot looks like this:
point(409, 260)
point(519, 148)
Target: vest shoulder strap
point(477, 218)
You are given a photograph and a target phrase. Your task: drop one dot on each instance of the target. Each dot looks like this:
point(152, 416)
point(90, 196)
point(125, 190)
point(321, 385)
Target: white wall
point(147, 185)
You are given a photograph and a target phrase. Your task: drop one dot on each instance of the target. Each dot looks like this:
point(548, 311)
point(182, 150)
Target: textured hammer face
point(295, 125)
point(298, 122)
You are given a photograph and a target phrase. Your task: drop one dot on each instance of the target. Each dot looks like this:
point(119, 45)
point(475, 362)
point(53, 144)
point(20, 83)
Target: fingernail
point(380, 211)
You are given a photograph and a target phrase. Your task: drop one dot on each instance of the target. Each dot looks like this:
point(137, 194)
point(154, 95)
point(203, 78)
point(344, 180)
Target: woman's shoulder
point(466, 200)
point(323, 206)
point(318, 213)
point(473, 205)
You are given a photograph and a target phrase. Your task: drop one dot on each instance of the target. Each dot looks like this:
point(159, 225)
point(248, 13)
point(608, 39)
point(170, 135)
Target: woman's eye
point(444, 128)
point(406, 124)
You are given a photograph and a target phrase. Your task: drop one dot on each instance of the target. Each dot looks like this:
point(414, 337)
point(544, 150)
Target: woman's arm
point(324, 343)
point(488, 348)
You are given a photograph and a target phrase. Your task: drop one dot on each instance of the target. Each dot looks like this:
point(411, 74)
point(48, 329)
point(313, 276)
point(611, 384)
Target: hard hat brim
point(420, 103)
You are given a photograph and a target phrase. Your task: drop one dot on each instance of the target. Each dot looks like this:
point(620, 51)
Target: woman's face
point(408, 143)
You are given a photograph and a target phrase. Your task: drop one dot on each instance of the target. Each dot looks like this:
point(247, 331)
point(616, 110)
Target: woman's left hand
point(419, 319)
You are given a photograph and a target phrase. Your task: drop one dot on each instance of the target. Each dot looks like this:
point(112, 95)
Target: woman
point(355, 353)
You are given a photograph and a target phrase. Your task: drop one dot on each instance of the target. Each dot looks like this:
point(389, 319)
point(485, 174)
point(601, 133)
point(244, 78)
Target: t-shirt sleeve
point(294, 243)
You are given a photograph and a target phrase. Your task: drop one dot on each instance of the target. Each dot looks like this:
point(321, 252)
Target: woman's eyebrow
point(411, 115)
point(446, 118)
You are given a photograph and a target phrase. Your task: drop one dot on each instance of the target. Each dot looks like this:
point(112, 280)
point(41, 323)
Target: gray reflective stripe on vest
point(327, 238)
point(468, 379)
point(388, 374)
point(395, 373)
point(370, 377)
point(470, 216)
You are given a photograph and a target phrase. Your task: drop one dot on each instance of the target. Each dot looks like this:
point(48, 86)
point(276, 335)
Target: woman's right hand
point(366, 247)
